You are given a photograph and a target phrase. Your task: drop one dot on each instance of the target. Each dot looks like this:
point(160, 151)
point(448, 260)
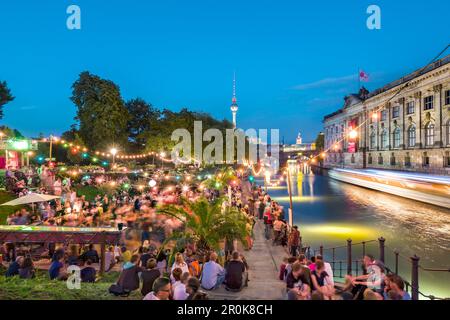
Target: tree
point(5, 96)
point(12, 133)
point(320, 141)
point(159, 137)
point(205, 223)
point(101, 112)
point(143, 119)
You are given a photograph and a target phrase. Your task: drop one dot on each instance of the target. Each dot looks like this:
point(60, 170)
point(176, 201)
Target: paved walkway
point(263, 260)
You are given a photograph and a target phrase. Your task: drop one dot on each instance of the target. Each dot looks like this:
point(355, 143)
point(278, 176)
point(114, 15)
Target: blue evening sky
point(294, 60)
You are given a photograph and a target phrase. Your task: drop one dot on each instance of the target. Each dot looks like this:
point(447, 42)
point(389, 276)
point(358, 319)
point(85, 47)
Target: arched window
point(396, 137)
point(411, 136)
point(429, 134)
point(384, 139)
point(373, 140)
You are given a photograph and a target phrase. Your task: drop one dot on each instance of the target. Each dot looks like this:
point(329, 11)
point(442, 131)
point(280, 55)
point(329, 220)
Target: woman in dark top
point(129, 278)
point(13, 269)
point(235, 276)
point(321, 283)
point(26, 270)
point(149, 276)
point(320, 278)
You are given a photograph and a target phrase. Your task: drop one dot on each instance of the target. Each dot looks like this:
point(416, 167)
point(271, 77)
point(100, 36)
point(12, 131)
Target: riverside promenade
point(263, 260)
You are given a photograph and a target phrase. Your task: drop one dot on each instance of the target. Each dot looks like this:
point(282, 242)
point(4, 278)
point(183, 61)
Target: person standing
point(294, 241)
point(277, 228)
point(268, 222)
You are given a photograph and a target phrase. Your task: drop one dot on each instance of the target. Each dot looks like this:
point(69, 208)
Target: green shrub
point(41, 288)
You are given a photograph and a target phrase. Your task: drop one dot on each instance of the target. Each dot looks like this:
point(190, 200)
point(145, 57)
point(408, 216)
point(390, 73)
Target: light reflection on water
point(328, 212)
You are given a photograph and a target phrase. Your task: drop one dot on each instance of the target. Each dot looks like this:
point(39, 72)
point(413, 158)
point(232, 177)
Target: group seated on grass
point(313, 280)
point(150, 271)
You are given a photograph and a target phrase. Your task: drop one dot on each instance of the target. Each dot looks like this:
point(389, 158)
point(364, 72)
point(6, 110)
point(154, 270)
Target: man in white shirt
point(213, 273)
point(179, 287)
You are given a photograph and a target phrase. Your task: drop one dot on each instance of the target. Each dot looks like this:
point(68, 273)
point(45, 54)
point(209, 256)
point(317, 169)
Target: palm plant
point(206, 224)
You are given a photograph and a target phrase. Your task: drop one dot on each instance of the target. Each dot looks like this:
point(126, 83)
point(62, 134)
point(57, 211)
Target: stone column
point(437, 89)
point(389, 119)
point(403, 124)
point(418, 98)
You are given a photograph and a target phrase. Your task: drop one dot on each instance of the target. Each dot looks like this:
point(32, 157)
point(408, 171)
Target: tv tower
point(234, 106)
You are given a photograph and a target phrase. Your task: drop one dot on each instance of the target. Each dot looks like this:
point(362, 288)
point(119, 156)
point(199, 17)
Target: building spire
point(234, 87)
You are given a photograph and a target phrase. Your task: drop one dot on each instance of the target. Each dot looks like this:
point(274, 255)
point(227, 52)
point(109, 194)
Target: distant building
point(299, 139)
point(395, 127)
point(296, 151)
point(299, 145)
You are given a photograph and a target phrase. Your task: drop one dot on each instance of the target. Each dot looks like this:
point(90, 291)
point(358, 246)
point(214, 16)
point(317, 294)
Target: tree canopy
point(102, 115)
point(5, 96)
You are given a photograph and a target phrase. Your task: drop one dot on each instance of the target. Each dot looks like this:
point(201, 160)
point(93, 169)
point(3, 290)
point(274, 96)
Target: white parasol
point(30, 198)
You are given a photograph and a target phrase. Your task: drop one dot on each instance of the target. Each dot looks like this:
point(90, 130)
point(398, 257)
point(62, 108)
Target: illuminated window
point(396, 137)
point(448, 132)
point(373, 140)
point(428, 103)
point(407, 160)
point(447, 159)
point(380, 159)
point(412, 136)
point(429, 134)
point(384, 139)
point(410, 108)
point(396, 112)
point(392, 159)
point(425, 160)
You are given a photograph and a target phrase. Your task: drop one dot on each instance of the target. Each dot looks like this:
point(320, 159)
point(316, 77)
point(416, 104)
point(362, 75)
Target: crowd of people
point(160, 274)
point(312, 279)
point(145, 268)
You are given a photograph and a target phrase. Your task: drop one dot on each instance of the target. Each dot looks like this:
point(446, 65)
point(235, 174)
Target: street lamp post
point(162, 154)
point(291, 222)
point(50, 149)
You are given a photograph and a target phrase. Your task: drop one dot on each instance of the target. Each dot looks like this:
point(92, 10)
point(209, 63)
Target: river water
point(328, 212)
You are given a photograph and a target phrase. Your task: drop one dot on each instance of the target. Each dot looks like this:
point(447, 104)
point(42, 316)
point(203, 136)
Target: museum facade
point(404, 125)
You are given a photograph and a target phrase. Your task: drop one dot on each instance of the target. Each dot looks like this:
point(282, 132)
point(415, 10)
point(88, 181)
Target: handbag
point(118, 290)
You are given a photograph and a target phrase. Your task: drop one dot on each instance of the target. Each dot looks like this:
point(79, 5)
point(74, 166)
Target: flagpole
point(359, 80)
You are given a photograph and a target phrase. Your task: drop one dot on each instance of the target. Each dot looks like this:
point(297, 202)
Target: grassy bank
point(6, 210)
point(41, 288)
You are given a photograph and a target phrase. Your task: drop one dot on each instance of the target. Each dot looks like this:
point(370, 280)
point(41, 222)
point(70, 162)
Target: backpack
point(117, 290)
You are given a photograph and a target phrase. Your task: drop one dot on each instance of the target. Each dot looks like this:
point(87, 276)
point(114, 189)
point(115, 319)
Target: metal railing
point(350, 264)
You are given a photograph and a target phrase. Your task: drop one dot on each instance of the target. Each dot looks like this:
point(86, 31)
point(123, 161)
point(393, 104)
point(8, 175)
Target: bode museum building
point(404, 125)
